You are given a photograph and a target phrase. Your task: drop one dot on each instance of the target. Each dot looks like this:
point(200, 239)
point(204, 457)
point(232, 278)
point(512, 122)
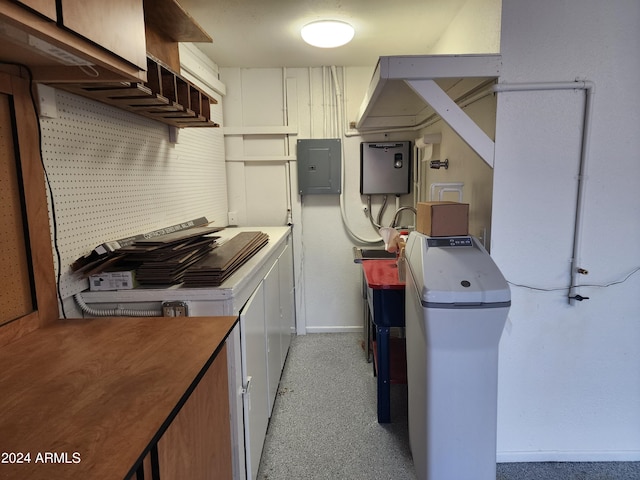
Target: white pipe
point(114, 312)
point(311, 102)
point(338, 94)
point(589, 88)
point(415, 174)
point(343, 212)
point(538, 86)
point(324, 103)
point(287, 167)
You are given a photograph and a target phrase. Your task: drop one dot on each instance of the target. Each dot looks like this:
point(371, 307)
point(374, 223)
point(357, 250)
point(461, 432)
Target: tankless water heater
point(385, 168)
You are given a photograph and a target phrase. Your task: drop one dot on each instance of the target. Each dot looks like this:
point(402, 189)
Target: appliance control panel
point(449, 242)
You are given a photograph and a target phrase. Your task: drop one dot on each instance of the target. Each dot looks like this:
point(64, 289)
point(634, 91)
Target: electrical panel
point(319, 166)
point(385, 168)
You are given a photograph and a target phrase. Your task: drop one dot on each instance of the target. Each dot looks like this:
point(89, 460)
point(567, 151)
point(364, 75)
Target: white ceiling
point(266, 33)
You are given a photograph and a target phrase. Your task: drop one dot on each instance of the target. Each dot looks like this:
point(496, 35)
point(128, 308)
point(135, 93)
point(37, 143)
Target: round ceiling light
point(327, 33)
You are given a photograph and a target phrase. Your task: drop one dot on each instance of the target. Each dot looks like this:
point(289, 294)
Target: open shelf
point(165, 97)
point(391, 102)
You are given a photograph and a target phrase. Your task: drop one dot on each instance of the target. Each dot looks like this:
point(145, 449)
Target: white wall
point(569, 385)
point(328, 282)
point(115, 174)
point(475, 29)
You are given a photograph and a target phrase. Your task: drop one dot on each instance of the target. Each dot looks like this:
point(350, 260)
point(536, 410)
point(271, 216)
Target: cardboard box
point(442, 219)
point(106, 281)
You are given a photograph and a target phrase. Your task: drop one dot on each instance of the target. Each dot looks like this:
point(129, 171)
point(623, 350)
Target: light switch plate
point(47, 106)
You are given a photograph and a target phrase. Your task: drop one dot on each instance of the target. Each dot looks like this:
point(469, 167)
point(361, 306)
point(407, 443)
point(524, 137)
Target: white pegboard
point(116, 174)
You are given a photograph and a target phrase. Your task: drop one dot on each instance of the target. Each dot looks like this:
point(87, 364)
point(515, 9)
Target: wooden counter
point(100, 393)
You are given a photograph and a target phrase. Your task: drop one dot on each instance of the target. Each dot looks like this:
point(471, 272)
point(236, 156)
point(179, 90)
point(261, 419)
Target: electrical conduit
point(113, 312)
point(339, 113)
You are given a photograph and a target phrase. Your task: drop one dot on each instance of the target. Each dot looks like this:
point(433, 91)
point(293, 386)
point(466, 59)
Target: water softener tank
point(457, 303)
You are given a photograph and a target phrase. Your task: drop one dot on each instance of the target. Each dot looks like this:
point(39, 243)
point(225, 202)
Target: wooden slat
point(137, 103)
point(37, 214)
point(15, 298)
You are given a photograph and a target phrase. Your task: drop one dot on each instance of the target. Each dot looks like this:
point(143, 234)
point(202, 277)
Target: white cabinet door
point(236, 402)
point(254, 366)
point(287, 301)
point(272, 320)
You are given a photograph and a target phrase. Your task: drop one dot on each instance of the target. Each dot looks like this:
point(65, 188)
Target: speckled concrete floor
point(324, 424)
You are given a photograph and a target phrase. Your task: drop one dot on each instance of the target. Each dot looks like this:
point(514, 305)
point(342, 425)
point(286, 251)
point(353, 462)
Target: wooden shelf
point(165, 97)
point(166, 25)
point(168, 17)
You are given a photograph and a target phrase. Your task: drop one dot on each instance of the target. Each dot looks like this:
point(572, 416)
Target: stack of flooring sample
point(163, 260)
point(218, 265)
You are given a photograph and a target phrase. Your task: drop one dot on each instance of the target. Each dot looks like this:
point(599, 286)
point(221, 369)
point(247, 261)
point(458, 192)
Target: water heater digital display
point(385, 168)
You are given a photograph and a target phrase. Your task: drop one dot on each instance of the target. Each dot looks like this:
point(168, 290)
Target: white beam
point(455, 117)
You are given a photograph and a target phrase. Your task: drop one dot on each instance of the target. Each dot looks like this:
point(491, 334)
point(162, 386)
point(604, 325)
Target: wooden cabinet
point(101, 22)
point(116, 25)
point(43, 7)
point(54, 52)
point(197, 442)
point(98, 49)
point(126, 394)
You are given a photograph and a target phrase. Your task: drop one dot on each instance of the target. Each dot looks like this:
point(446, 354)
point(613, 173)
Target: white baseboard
point(334, 329)
point(569, 456)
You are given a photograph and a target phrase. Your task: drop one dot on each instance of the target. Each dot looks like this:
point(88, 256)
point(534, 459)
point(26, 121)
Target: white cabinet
point(267, 320)
point(254, 369)
point(262, 294)
point(273, 329)
point(287, 300)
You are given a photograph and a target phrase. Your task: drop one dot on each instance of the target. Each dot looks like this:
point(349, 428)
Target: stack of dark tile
point(164, 259)
point(222, 262)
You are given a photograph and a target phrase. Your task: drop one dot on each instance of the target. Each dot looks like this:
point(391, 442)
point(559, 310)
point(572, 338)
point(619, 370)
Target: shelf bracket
point(455, 117)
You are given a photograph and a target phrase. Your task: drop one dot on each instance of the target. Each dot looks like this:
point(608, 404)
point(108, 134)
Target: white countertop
point(247, 274)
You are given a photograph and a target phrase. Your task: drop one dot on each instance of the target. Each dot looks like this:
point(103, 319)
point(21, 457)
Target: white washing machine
point(457, 303)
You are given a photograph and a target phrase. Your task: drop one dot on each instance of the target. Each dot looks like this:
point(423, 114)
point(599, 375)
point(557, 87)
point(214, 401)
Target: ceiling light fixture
point(327, 33)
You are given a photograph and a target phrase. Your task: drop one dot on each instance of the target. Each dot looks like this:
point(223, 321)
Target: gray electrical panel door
point(385, 168)
point(319, 166)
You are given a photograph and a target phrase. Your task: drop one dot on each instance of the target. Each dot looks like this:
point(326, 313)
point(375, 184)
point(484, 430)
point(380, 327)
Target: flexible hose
point(114, 312)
